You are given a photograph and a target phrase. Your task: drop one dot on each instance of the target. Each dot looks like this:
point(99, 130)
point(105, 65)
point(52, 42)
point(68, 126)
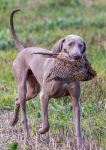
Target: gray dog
point(30, 71)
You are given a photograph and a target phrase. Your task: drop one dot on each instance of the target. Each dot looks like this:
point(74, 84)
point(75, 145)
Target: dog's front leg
point(75, 93)
point(44, 113)
point(76, 116)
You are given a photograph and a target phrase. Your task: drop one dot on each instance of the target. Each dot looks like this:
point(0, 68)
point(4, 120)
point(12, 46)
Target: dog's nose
point(77, 57)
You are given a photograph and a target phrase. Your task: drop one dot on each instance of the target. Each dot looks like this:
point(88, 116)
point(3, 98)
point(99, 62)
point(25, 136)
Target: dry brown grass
point(62, 140)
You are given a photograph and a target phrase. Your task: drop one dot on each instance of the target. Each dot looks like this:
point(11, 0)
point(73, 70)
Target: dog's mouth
point(61, 55)
point(75, 58)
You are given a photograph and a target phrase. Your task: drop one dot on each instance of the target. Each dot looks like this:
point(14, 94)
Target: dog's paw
point(43, 130)
point(14, 122)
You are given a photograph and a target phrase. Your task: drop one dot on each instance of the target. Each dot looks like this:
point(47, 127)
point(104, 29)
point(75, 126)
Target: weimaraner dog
point(30, 71)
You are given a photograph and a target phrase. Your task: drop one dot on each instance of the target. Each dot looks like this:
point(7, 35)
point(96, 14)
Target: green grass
point(13, 146)
point(46, 22)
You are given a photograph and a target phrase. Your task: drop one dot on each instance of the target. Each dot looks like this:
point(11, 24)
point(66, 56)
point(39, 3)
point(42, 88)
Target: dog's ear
point(58, 46)
point(84, 49)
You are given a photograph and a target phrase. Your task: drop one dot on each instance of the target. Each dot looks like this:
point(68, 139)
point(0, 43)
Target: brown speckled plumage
point(70, 70)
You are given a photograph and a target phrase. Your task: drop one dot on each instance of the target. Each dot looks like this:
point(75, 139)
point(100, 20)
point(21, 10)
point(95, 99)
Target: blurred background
point(42, 23)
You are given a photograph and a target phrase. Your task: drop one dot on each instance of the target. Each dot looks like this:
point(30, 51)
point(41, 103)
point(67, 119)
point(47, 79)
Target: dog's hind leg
point(22, 89)
point(16, 112)
point(33, 89)
point(20, 73)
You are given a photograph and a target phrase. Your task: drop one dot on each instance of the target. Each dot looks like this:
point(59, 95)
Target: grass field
point(43, 23)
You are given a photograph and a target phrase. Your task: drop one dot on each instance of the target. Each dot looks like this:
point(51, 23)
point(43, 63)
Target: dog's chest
point(56, 89)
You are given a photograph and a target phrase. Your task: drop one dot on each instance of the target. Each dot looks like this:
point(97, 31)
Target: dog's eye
point(71, 44)
point(80, 45)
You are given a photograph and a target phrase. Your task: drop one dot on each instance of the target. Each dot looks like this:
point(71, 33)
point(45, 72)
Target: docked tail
point(18, 43)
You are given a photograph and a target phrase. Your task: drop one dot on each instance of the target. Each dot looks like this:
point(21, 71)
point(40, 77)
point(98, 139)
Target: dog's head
point(72, 44)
